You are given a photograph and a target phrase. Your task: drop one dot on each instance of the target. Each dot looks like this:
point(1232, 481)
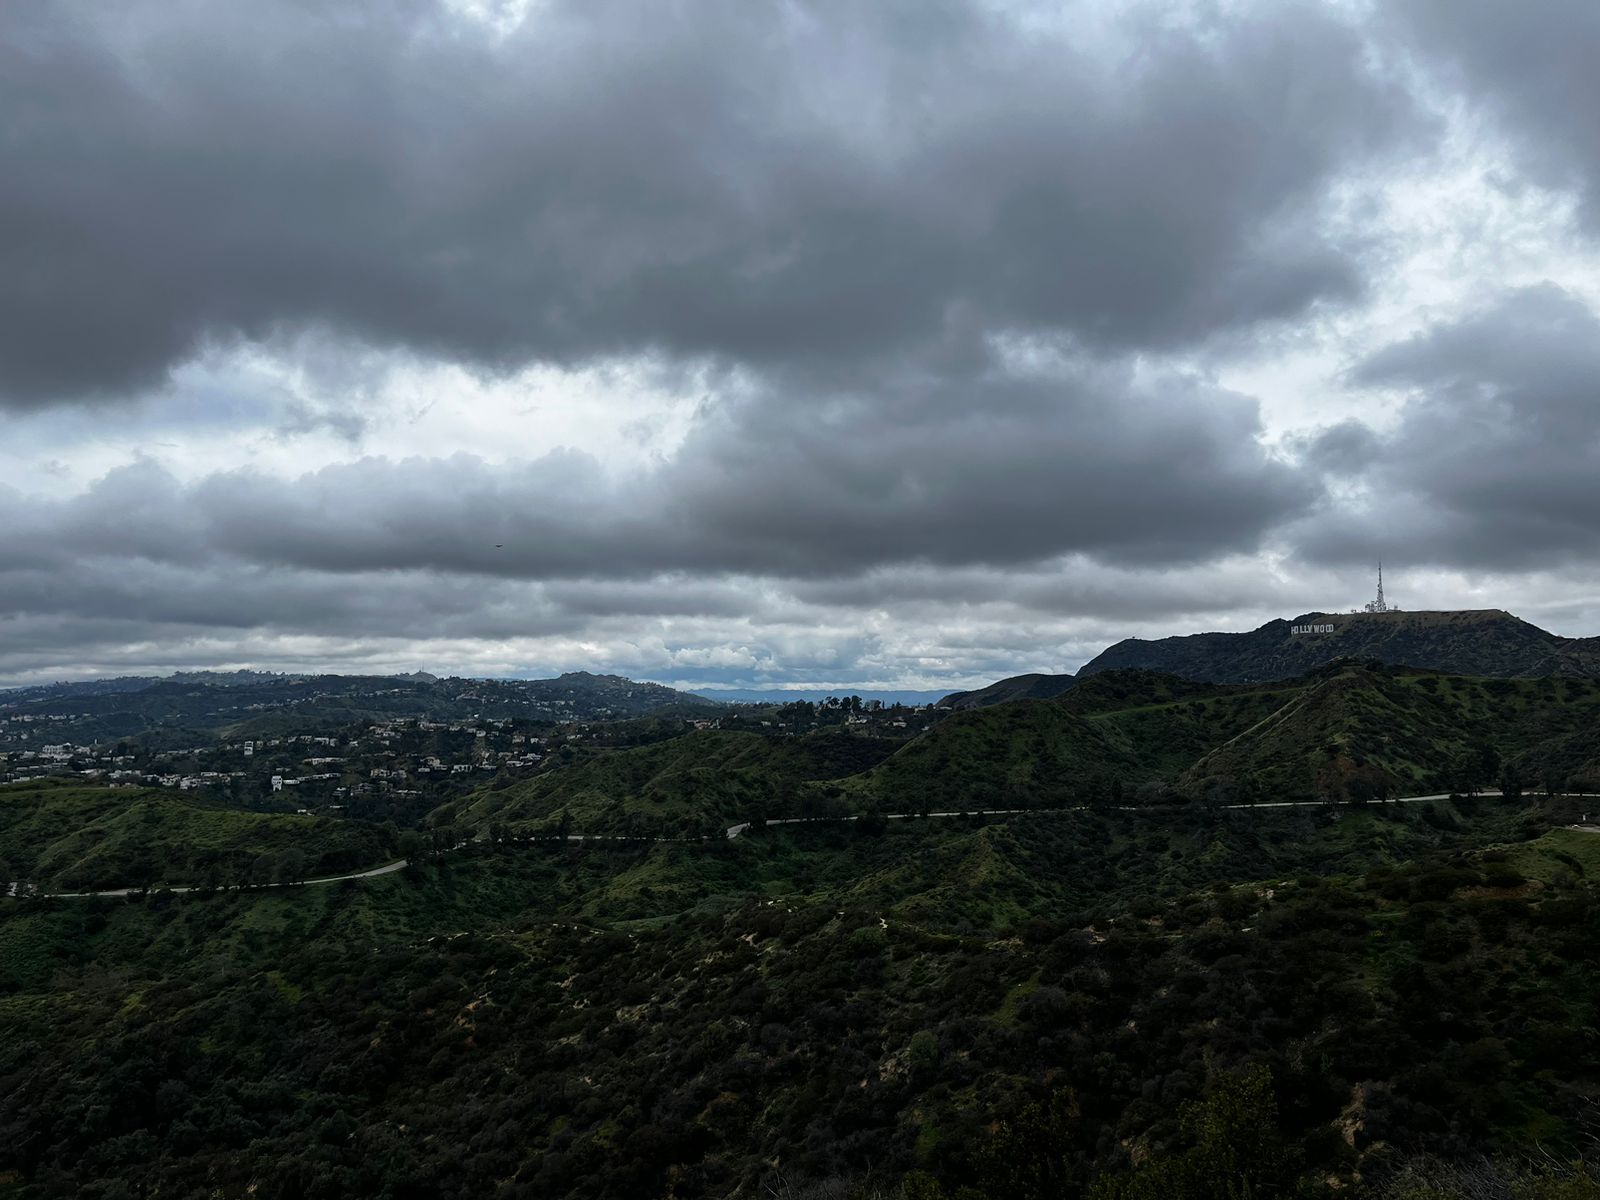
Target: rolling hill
point(694, 784)
point(1018, 687)
point(1409, 731)
point(1348, 729)
point(58, 836)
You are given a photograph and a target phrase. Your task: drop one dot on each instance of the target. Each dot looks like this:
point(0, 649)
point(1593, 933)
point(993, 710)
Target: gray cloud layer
point(813, 184)
point(959, 276)
point(1001, 473)
point(1531, 65)
point(1495, 462)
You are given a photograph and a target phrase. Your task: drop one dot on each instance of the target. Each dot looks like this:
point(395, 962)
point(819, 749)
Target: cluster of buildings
point(399, 757)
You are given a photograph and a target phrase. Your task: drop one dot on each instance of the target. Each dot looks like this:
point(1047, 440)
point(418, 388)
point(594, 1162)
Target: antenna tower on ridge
point(1378, 605)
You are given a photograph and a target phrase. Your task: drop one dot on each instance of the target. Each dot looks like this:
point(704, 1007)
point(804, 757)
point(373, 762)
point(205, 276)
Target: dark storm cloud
point(998, 470)
point(1342, 450)
point(1495, 461)
point(1532, 65)
point(1070, 588)
point(813, 184)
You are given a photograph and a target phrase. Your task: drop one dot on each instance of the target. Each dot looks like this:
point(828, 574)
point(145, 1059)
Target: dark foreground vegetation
point(1189, 1004)
point(1146, 984)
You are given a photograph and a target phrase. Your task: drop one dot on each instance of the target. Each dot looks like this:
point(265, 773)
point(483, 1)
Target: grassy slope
point(1413, 726)
point(986, 757)
point(947, 876)
point(62, 836)
point(1295, 740)
point(702, 781)
point(1059, 864)
point(1131, 727)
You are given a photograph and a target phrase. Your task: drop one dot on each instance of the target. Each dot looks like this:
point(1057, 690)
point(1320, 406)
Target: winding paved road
point(734, 831)
point(399, 864)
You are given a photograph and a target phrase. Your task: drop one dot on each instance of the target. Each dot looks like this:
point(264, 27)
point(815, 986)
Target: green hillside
point(1017, 687)
point(909, 1009)
point(1410, 732)
point(1167, 723)
point(1119, 737)
point(992, 757)
point(1012, 1010)
point(1405, 731)
point(691, 785)
point(1002, 873)
point(65, 837)
point(1111, 736)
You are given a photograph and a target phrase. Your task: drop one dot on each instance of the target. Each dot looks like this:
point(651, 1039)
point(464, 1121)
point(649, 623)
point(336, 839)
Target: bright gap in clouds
point(281, 411)
point(1446, 233)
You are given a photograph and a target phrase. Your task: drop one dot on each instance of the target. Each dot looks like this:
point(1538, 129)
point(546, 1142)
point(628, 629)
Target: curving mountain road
point(733, 831)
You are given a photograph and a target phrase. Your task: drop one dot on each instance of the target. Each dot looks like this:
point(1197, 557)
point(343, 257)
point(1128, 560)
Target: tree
point(1029, 1154)
point(1250, 791)
point(1510, 781)
point(1478, 767)
point(290, 866)
point(1236, 1150)
point(261, 869)
point(1366, 784)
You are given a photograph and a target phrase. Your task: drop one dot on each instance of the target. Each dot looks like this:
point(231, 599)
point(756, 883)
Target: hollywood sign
point(1299, 629)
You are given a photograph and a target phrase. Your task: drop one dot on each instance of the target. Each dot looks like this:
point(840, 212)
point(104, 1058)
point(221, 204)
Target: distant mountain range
point(908, 696)
point(1481, 642)
point(253, 703)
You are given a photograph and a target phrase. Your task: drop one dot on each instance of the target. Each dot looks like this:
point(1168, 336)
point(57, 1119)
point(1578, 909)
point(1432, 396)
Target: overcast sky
point(906, 344)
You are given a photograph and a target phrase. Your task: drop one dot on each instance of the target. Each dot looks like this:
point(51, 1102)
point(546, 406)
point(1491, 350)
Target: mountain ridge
point(1482, 642)
point(1486, 642)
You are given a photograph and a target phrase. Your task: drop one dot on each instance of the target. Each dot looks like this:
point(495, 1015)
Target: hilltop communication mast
point(1378, 605)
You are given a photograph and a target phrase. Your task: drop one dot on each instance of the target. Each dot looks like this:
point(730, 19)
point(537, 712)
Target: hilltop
point(1017, 687)
point(1484, 642)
